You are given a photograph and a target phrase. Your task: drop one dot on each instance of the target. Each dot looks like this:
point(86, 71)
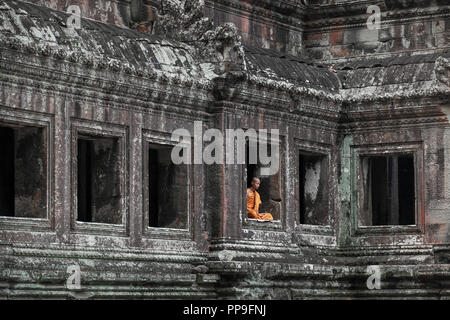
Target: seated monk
point(254, 201)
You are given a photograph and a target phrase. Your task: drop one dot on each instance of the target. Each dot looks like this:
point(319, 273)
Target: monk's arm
point(253, 213)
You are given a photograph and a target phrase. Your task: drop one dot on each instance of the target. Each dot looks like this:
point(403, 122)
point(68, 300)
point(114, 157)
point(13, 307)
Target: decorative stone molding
point(223, 48)
point(442, 70)
point(354, 12)
point(90, 60)
point(281, 11)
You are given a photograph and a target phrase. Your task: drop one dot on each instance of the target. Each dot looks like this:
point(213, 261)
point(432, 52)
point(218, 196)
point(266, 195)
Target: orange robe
point(253, 203)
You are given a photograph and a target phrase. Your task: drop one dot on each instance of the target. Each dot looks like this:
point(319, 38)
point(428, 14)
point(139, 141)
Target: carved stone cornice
point(96, 62)
point(284, 7)
point(284, 12)
point(396, 117)
point(75, 251)
point(354, 13)
point(302, 116)
point(123, 91)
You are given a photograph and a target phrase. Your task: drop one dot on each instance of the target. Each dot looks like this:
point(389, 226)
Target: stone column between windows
point(447, 162)
point(63, 192)
point(225, 181)
point(136, 176)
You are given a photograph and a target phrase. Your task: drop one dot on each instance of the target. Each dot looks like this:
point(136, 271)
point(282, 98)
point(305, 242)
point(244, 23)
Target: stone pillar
point(224, 185)
point(62, 147)
point(136, 190)
point(345, 203)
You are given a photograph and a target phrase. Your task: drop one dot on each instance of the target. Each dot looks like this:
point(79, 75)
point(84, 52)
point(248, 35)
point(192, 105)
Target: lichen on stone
point(442, 70)
point(182, 20)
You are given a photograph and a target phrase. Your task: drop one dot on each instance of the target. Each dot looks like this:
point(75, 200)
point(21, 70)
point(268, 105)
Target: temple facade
point(92, 205)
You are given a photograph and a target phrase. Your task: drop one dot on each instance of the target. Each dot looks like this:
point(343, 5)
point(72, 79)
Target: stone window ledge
point(266, 225)
point(24, 224)
point(314, 229)
point(167, 233)
point(389, 230)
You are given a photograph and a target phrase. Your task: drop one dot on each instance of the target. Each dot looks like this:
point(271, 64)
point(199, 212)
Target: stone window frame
point(165, 139)
point(47, 122)
point(415, 149)
point(276, 225)
point(108, 130)
point(325, 151)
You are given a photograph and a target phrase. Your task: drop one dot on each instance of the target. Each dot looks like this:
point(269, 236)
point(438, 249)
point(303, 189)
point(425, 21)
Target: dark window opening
point(85, 180)
point(168, 191)
point(98, 188)
point(313, 193)
point(270, 187)
point(23, 174)
point(251, 168)
point(389, 190)
point(7, 172)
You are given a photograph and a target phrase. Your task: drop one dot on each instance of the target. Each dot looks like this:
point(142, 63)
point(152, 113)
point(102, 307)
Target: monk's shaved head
point(255, 183)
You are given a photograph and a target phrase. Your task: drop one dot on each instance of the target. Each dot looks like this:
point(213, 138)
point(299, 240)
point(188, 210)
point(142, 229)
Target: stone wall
point(404, 29)
point(138, 88)
point(114, 12)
